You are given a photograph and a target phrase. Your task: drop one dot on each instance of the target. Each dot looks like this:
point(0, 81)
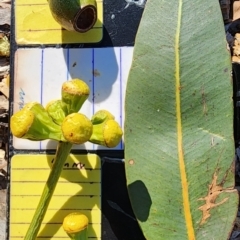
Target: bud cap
point(75, 222)
point(76, 128)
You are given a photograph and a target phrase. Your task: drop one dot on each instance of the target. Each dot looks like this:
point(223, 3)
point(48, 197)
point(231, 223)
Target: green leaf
point(179, 146)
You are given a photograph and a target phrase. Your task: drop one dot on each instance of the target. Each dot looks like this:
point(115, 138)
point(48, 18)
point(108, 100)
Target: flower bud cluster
point(61, 120)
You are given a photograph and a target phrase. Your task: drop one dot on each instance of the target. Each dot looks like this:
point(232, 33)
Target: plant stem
point(61, 155)
point(82, 235)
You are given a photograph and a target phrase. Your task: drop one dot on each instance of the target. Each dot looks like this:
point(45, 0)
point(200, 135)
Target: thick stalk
point(61, 155)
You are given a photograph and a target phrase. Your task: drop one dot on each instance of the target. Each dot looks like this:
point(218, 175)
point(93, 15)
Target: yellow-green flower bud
point(75, 225)
point(107, 133)
point(112, 133)
point(21, 122)
point(74, 94)
point(101, 116)
point(55, 111)
point(34, 123)
point(76, 128)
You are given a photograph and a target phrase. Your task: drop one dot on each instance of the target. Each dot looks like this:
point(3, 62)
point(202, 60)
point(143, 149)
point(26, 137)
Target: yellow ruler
point(78, 189)
point(34, 24)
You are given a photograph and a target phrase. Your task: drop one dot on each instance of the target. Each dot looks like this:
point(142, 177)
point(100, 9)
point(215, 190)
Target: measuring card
point(43, 57)
point(78, 189)
point(34, 24)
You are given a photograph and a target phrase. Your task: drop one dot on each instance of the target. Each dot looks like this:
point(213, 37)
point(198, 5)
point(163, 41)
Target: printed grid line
point(121, 94)
point(93, 79)
point(93, 86)
point(41, 86)
point(68, 56)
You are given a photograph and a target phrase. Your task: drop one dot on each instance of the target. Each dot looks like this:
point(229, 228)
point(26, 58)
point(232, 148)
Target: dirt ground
point(5, 19)
point(3, 194)
point(2, 213)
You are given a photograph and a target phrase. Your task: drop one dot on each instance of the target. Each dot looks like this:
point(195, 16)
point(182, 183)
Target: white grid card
point(39, 74)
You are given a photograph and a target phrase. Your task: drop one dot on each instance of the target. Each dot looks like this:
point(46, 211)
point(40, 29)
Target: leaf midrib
point(183, 175)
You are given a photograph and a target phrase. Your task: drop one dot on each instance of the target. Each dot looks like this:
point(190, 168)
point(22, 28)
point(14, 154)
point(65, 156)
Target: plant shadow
point(141, 200)
point(82, 191)
point(94, 64)
point(117, 215)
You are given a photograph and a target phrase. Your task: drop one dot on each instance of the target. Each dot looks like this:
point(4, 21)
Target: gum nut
point(75, 222)
point(112, 133)
point(21, 122)
point(77, 128)
point(76, 87)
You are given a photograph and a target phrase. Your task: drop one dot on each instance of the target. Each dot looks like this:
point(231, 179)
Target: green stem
point(61, 155)
point(82, 235)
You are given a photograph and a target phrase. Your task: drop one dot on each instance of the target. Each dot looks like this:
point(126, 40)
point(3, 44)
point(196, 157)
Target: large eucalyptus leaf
point(179, 146)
